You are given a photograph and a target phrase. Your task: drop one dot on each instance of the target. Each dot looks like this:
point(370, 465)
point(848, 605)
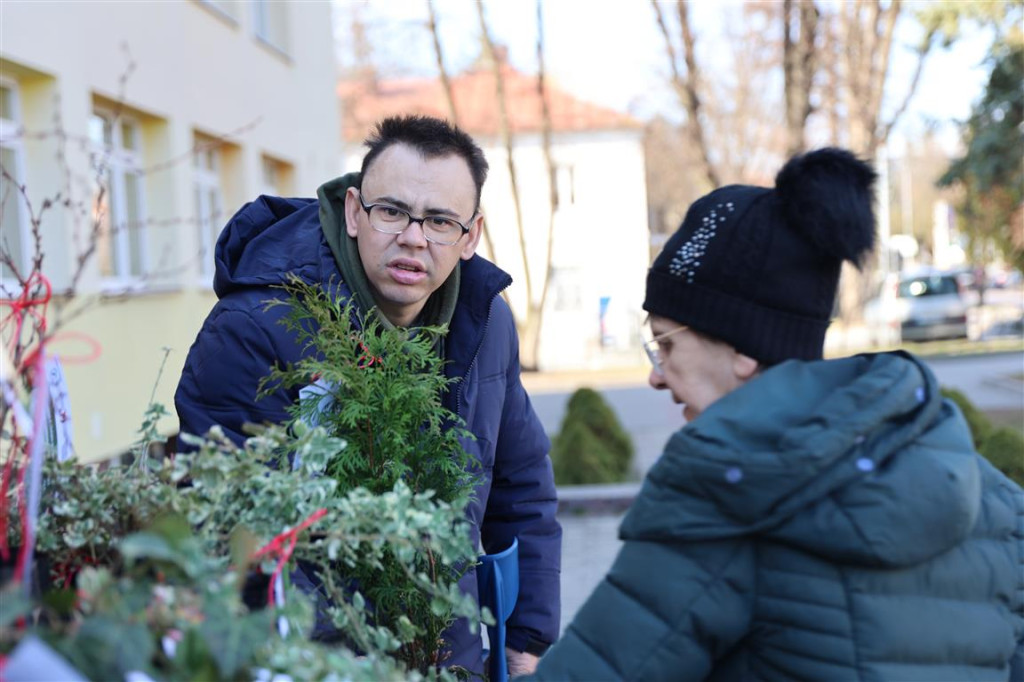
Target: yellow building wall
point(109, 393)
point(184, 70)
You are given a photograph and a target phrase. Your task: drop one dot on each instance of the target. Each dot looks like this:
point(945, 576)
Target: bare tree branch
point(549, 162)
point(446, 85)
point(922, 53)
point(506, 136)
point(799, 64)
point(686, 88)
point(446, 82)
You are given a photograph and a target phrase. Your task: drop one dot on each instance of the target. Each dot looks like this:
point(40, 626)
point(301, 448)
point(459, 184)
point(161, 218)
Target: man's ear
point(472, 239)
point(352, 209)
point(745, 367)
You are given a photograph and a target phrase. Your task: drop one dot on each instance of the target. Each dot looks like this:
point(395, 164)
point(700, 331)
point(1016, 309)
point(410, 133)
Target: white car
point(921, 307)
point(932, 308)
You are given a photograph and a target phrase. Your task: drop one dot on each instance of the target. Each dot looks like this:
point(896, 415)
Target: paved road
point(590, 542)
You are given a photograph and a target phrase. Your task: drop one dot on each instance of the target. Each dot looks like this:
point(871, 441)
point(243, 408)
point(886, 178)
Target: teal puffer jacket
point(827, 521)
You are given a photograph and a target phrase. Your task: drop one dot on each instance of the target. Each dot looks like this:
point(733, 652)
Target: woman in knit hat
point(814, 520)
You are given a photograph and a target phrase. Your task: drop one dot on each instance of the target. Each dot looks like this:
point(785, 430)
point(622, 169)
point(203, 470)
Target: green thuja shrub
point(380, 391)
point(1003, 446)
point(592, 446)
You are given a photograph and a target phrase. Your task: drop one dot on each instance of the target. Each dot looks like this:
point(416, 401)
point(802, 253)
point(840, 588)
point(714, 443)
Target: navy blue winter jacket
point(240, 341)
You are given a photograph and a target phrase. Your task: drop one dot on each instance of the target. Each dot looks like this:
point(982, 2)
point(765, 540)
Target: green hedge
point(592, 446)
point(1003, 446)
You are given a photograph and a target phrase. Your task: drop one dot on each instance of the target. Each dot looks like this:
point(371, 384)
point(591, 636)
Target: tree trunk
point(446, 82)
point(506, 136)
point(799, 62)
point(549, 162)
point(446, 85)
point(831, 86)
point(686, 89)
point(868, 29)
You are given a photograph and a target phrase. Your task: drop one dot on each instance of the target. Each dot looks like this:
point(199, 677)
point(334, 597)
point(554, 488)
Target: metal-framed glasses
point(653, 349)
point(437, 229)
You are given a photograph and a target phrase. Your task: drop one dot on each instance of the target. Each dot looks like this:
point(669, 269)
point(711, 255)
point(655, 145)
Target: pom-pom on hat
point(758, 267)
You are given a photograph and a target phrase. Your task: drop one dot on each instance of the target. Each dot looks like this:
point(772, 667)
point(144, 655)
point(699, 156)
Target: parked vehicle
point(933, 308)
point(918, 307)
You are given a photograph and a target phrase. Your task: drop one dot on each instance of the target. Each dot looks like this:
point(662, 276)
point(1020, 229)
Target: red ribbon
point(367, 359)
point(27, 305)
point(283, 545)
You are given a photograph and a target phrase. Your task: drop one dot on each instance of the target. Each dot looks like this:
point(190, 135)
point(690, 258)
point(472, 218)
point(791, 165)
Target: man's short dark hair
point(432, 137)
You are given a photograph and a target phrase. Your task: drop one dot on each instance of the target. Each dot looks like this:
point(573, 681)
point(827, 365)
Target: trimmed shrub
point(1003, 447)
point(979, 424)
point(592, 446)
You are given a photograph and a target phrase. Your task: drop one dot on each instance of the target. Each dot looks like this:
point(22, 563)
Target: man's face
point(405, 269)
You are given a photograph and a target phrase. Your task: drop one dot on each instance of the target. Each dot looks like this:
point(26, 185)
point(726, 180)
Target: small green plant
point(146, 555)
point(380, 391)
point(1002, 446)
point(592, 446)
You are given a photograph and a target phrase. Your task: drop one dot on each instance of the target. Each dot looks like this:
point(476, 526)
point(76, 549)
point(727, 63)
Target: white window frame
point(10, 139)
point(225, 10)
point(119, 163)
point(261, 26)
point(209, 218)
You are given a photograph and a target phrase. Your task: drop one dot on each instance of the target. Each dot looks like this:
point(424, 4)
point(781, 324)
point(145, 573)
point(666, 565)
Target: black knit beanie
point(758, 267)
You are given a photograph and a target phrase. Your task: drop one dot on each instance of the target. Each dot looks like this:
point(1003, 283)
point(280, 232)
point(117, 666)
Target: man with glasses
point(400, 237)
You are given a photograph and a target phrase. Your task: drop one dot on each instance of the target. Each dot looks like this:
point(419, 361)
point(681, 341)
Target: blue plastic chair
point(497, 579)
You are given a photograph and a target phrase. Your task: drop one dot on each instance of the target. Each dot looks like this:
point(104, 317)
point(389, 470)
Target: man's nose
point(413, 236)
point(656, 380)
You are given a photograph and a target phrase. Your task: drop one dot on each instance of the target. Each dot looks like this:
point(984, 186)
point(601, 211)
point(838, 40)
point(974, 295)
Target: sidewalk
point(569, 380)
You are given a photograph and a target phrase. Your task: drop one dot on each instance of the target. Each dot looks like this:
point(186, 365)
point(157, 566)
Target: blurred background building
point(145, 126)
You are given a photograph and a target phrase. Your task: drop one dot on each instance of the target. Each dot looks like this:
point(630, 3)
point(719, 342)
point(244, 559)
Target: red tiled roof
point(366, 101)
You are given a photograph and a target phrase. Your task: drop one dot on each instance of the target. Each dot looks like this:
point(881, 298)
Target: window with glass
point(209, 198)
point(14, 224)
point(270, 23)
point(119, 205)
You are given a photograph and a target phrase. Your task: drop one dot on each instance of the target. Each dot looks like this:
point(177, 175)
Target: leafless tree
point(866, 30)
point(442, 70)
point(530, 322)
point(446, 85)
point(686, 86)
point(537, 314)
point(799, 57)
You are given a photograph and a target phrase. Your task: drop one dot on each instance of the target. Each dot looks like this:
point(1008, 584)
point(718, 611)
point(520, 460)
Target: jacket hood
point(858, 460)
point(265, 240)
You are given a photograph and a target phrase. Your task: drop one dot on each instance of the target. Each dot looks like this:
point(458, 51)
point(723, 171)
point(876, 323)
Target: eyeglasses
point(653, 349)
point(393, 220)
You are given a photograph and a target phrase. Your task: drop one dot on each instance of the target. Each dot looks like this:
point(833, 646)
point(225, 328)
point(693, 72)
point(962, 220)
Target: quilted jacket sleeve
point(665, 611)
point(522, 504)
point(233, 351)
